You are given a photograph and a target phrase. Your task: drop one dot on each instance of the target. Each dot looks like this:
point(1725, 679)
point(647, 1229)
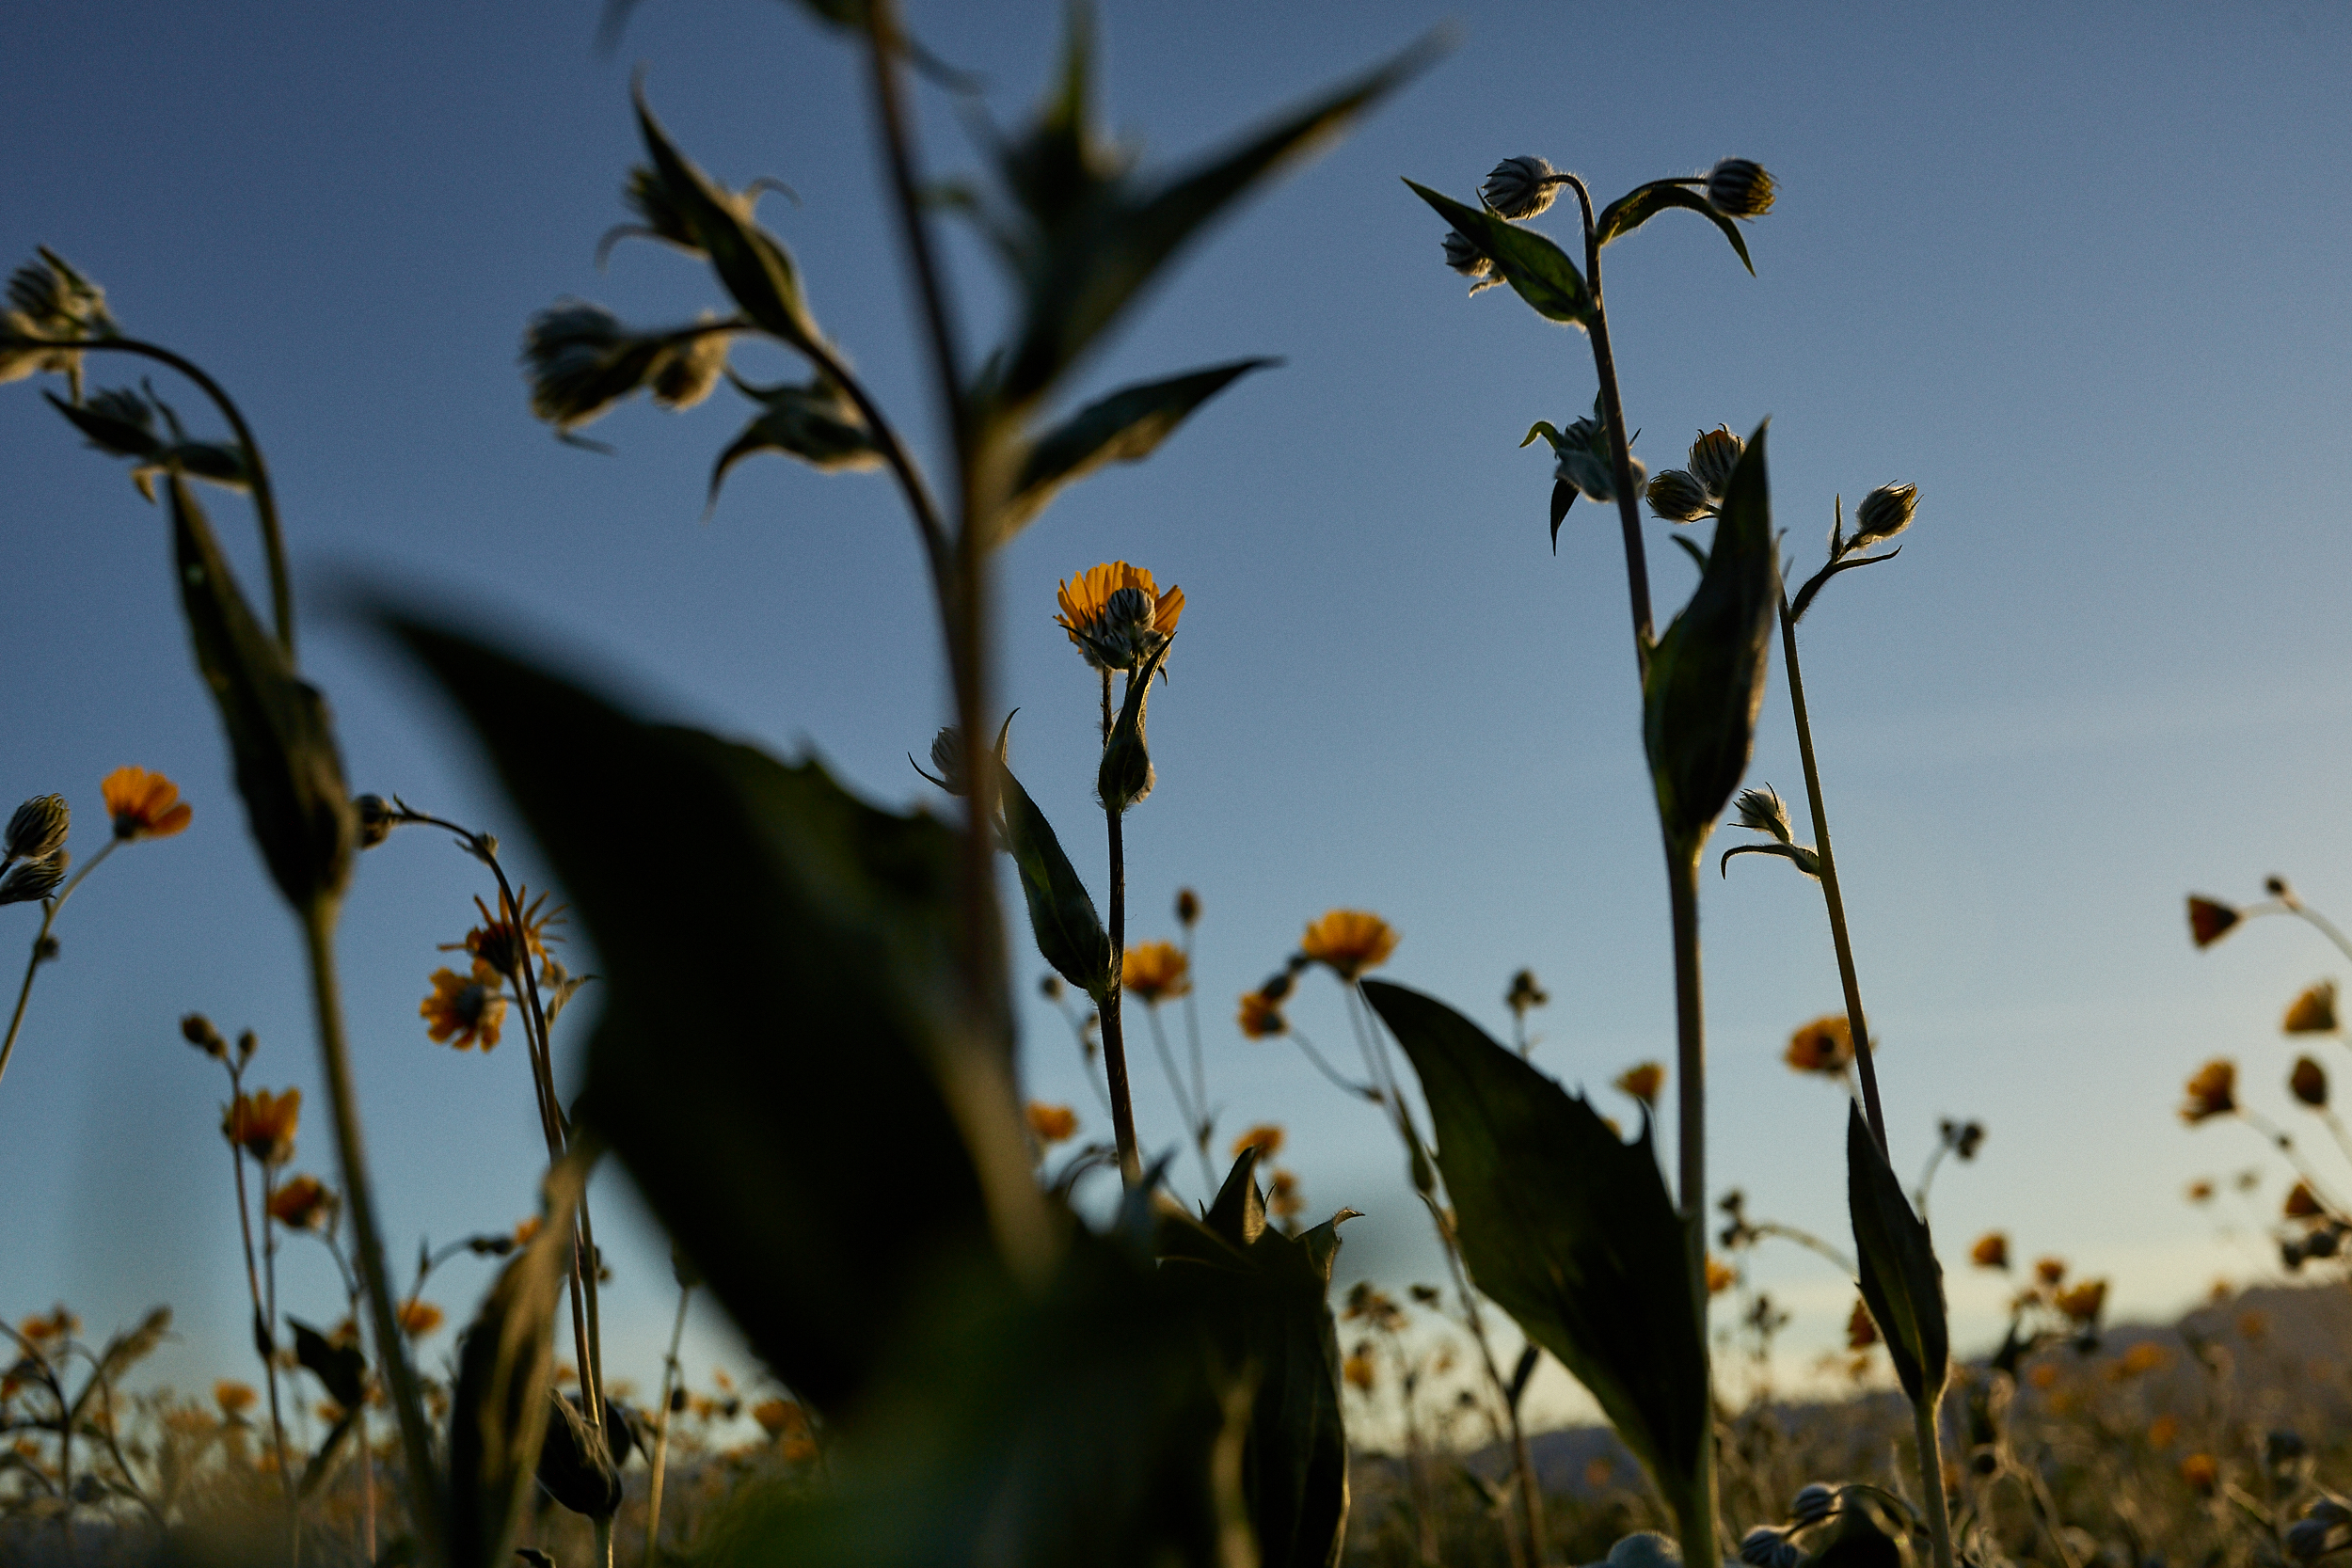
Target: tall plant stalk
point(1112, 1003)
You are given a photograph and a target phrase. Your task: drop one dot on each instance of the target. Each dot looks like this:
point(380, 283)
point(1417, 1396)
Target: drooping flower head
point(144, 804)
point(1349, 941)
point(506, 940)
point(2212, 1092)
point(264, 1124)
point(1262, 1016)
point(463, 1009)
point(303, 1203)
point(1824, 1046)
point(1155, 971)
point(1116, 615)
point(2313, 1013)
point(2209, 920)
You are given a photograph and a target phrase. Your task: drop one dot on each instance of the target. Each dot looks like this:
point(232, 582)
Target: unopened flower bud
point(29, 879)
point(948, 756)
point(1463, 255)
point(247, 1043)
point(1764, 1548)
point(38, 828)
point(1740, 189)
point(376, 820)
point(1713, 455)
point(1187, 905)
point(1520, 187)
point(1679, 497)
point(1761, 810)
point(691, 372)
point(2275, 885)
point(1885, 513)
point(1277, 987)
point(1050, 987)
point(198, 1032)
point(2308, 1082)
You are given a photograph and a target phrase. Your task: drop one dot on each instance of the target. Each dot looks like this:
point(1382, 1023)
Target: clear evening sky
point(2078, 275)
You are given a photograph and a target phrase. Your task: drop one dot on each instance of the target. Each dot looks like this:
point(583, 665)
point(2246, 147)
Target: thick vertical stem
point(1925, 1428)
point(1111, 1007)
point(1696, 1524)
point(422, 1478)
point(1856, 1024)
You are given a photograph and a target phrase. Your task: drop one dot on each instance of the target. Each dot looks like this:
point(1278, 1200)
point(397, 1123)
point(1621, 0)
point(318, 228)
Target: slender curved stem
point(1322, 1065)
point(41, 942)
point(670, 1380)
point(265, 500)
point(1857, 1024)
point(1111, 1005)
point(2318, 921)
point(1620, 447)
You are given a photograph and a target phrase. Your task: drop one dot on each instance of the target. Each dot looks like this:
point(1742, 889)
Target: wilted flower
point(1262, 1016)
point(463, 1009)
point(1643, 1083)
point(1266, 1139)
point(2302, 1204)
point(1187, 908)
point(1520, 187)
point(1861, 1330)
point(1885, 513)
point(144, 804)
point(29, 879)
point(1679, 497)
point(2212, 1092)
point(1990, 1251)
point(1824, 1046)
point(37, 828)
point(2209, 920)
point(1155, 971)
point(1349, 941)
point(233, 1398)
point(262, 1124)
point(1464, 256)
point(1052, 1124)
point(1741, 189)
point(303, 1202)
point(2308, 1082)
point(1116, 615)
point(1525, 992)
point(2313, 1013)
point(419, 1317)
point(2083, 1303)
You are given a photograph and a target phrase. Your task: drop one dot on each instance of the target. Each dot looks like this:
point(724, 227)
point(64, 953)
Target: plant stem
point(422, 1478)
point(1924, 1427)
point(1856, 1023)
point(1110, 1003)
point(40, 940)
point(669, 1381)
point(1620, 446)
point(1696, 1524)
point(2318, 921)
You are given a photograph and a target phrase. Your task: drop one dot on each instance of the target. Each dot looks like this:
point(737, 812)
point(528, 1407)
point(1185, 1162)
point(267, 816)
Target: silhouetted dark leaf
point(1538, 271)
point(1644, 202)
point(1901, 1281)
point(1062, 916)
point(342, 1369)
point(1126, 427)
point(752, 263)
point(815, 423)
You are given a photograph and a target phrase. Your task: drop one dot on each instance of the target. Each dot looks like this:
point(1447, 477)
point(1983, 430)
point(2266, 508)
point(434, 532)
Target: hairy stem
point(1925, 1428)
point(1696, 1528)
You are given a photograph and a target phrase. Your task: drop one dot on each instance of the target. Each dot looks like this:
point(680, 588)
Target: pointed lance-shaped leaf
point(505, 1374)
point(1569, 1230)
point(342, 1369)
point(745, 1111)
point(1126, 427)
point(1644, 202)
point(1705, 679)
point(1062, 916)
point(1538, 271)
point(815, 423)
point(1903, 1284)
point(280, 734)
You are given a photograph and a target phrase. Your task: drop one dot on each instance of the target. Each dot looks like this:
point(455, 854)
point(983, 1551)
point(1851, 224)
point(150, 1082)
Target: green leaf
point(1569, 1230)
point(1537, 269)
point(815, 423)
point(1126, 427)
point(506, 1373)
point(1902, 1282)
point(752, 263)
point(1706, 679)
point(1092, 239)
point(280, 734)
point(782, 982)
point(342, 1369)
point(1062, 916)
point(1643, 202)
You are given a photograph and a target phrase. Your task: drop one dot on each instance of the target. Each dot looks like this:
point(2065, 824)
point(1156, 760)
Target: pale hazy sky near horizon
point(2078, 273)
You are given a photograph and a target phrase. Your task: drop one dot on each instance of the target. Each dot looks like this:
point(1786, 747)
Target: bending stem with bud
point(41, 942)
point(1620, 448)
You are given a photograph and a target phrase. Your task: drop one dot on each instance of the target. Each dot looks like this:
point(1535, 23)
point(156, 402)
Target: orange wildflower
point(463, 1009)
point(1861, 1330)
point(2212, 1092)
point(144, 804)
point(1720, 1276)
point(2146, 1357)
point(234, 1398)
point(2313, 1013)
point(1052, 1124)
point(1283, 1200)
point(1266, 1139)
point(2209, 920)
point(1643, 1083)
point(1358, 1371)
point(419, 1317)
point(1349, 941)
point(2043, 1376)
point(2084, 1301)
point(1824, 1046)
point(1262, 1017)
point(2202, 1473)
point(1155, 971)
point(780, 1418)
point(302, 1202)
point(2049, 1269)
point(1116, 614)
point(262, 1124)
point(506, 944)
point(1990, 1251)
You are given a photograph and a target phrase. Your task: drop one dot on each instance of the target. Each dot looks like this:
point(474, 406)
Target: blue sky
point(2077, 276)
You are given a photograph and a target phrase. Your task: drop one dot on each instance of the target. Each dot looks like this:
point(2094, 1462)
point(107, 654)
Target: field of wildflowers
point(1008, 1342)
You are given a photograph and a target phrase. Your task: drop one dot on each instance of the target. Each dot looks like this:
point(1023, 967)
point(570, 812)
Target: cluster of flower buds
point(1685, 494)
point(1963, 1138)
point(33, 858)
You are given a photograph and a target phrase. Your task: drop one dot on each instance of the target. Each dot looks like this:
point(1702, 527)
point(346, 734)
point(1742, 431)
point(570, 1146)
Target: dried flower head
point(1861, 1330)
point(1741, 189)
point(264, 1124)
point(1116, 614)
point(1155, 971)
point(2212, 1092)
point(1824, 1046)
point(1052, 1124)
point(144, 804)
point(1990, 1251)
point(1526, 993)
point(1348, 941)
point(27, 880)
point(1761, 812)
point(49, 301)
point(303, 1203)
point(2308, 1082)
point(2083, 1303)
point(2209, 920)
point(1187, 908)
point(37, 829)
point(1262, 1016)
point(1520, 187)
point(1885, 513)
point(1643, 1083)
point(2313, 1013)
point(1266, 1139)
point(417, 1318)
point(465, 1008)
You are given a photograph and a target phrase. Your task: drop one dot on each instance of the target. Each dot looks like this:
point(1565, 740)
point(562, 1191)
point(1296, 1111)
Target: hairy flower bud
point(1187, 907)
point(38, 828)
point(1713, 455)
point(29, 879)
point(1761, 811)
point(1679, 497)
point(1740, 189)
point(1885, 513)
point(1520, 187)
point(376, 820)
point(948, 756)
point(690, 371)
point(1464, 256)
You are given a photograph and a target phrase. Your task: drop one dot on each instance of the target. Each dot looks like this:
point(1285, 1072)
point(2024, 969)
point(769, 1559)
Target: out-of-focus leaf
point(1262, 1298)
point(1538, 271)
point(1563, 497)
point(777, 1063)
point(342, 1369)
point(815, 422)
point(1126, 427)
point(1902, 1282)
point(1569, 1230)
point(1644, 202)
point(280, 734)
point(1088, 237)
point(321, 1463)
point(576, 1466)
point(1707, 673)
point(505, 1374)
point(121, 423)
point(752, 263)
point(123, 1352)
point(1062, 916)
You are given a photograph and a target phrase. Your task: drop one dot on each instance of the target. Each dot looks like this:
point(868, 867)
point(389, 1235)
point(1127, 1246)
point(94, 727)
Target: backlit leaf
point(1902, 1282)
point(1644, 202)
